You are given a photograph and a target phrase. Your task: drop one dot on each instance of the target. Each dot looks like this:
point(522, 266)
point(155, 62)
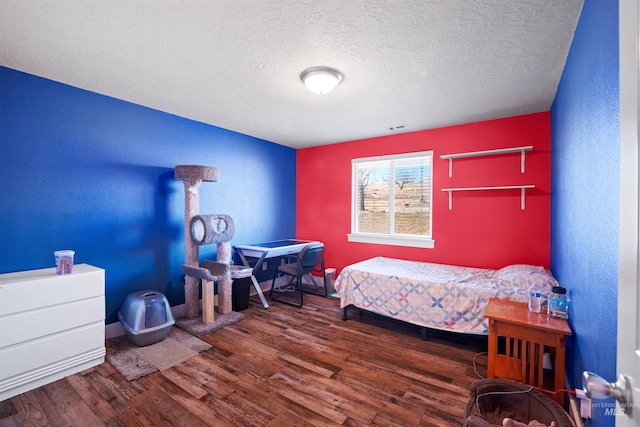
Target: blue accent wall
point(585, 171)
point(94, 174)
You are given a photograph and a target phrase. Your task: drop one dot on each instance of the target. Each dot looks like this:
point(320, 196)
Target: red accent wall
point(484, 229)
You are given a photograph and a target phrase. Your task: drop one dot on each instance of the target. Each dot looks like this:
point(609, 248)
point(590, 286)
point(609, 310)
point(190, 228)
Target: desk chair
point(310, 259)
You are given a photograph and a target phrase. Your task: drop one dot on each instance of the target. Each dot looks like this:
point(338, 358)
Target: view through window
point(392, 195)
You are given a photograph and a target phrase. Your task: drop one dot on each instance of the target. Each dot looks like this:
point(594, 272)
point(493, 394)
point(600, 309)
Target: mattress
point(438, 296)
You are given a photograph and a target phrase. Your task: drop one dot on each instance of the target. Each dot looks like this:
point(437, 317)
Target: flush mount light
point(321, 80)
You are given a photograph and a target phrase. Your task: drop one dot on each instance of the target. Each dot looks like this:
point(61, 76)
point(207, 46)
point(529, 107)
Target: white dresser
point(51, 326)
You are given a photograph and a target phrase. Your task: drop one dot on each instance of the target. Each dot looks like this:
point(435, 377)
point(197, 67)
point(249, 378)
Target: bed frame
point(423, 330)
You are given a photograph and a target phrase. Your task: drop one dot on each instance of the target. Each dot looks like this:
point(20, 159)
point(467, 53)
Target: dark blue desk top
point(273, 249)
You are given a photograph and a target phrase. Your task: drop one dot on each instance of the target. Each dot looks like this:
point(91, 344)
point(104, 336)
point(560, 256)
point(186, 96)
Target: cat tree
point(204, 230)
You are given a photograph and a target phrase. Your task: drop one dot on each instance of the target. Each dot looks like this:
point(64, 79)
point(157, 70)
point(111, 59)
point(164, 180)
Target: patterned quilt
point(437, 296)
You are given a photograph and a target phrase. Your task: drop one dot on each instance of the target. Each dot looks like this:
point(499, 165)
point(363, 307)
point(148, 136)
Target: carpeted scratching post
point(192, 176)
point(224, 284)
point(207, 230)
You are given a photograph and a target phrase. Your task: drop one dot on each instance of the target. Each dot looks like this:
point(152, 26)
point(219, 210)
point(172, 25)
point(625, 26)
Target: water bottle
point(534, 298)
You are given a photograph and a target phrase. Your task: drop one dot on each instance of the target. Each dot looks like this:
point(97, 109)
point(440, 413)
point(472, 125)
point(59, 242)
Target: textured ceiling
point(236, 63)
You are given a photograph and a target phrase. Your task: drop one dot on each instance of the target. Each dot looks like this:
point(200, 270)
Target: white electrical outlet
point(585, 404)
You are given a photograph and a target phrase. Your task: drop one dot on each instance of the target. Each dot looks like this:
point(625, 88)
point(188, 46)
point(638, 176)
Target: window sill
point(394, 240)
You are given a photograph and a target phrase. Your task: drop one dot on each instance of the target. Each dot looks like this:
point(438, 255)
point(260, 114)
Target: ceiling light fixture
point(321, 80)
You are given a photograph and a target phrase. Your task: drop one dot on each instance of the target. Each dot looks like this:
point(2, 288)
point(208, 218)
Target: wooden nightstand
point(518, 340)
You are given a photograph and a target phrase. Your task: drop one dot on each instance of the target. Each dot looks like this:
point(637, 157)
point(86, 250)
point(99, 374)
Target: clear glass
point(559, 306)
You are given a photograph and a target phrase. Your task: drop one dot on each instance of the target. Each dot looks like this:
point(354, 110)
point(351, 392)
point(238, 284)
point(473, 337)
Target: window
point(391, 200)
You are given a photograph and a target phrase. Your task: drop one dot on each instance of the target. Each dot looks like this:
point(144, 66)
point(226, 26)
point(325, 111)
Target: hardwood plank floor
point(284, 366)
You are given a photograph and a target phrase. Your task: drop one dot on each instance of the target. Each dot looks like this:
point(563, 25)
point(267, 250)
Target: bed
point(435, 296)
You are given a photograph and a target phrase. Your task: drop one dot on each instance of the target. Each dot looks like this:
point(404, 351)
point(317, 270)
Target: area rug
point(135, 362)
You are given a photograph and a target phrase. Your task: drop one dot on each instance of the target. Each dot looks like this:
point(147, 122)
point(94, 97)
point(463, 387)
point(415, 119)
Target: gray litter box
point(146, 317)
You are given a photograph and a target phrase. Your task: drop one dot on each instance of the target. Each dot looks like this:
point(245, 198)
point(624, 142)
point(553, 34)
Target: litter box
point(146, 317)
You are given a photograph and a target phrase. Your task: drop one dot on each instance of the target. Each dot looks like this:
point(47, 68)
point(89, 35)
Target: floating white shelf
point(522, 189)
point(521, 150)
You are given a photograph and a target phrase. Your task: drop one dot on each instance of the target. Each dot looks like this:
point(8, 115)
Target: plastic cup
point(64, 261)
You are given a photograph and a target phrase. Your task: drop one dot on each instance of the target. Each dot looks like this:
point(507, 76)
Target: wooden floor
point(283, 366)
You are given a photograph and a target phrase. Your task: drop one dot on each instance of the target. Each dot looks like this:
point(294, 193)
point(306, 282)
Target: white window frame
point(394, 239)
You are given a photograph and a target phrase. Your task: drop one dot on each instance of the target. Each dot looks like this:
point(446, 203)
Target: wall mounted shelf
point(522, 189)
point(521, 150)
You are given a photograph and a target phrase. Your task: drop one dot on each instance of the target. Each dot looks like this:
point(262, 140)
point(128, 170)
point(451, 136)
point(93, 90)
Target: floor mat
point(165, 354)
point(135, 362)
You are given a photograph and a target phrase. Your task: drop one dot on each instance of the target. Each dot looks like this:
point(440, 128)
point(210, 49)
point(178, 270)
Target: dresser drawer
point(33, 324)
point(50, 350)
point(29, 290)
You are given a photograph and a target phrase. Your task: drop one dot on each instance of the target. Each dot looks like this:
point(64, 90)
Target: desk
point(527, 337)
point(262, 251)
